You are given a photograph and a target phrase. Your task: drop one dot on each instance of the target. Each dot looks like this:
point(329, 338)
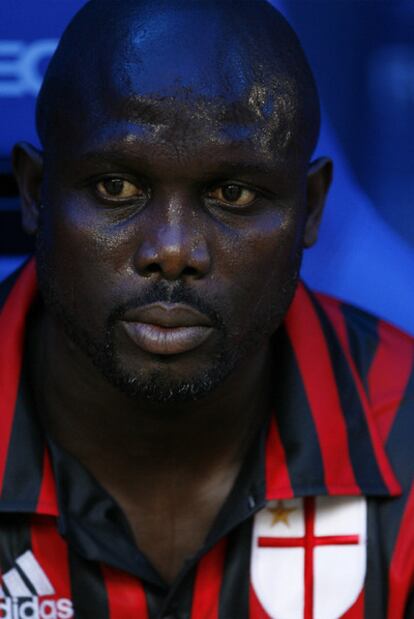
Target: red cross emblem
point(305, 573)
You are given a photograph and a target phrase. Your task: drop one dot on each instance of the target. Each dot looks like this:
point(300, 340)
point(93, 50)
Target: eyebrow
point(223, 166)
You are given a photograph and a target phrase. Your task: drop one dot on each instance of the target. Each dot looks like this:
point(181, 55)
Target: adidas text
point(33, 608)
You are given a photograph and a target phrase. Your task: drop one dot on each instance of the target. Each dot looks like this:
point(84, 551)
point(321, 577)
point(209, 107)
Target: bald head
point(239, 57)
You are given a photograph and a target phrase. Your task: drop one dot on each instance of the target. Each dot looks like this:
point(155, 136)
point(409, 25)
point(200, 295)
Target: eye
point(234, 195)
point(112, 188)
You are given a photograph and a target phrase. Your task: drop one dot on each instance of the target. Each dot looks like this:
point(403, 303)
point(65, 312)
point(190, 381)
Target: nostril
point(153, 268)
point(190, 271)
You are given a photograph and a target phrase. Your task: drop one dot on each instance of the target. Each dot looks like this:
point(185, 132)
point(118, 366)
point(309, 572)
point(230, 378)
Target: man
point(187, 431)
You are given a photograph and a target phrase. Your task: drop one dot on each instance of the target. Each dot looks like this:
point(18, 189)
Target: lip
point(168, 315)
point(167, 328)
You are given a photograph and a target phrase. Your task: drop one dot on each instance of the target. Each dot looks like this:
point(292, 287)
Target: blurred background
point(362, 53)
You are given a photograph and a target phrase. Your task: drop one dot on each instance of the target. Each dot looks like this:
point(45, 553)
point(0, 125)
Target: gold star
point(281, 513)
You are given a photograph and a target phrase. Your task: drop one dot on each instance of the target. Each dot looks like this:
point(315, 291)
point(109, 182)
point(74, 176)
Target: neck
point(120, 439)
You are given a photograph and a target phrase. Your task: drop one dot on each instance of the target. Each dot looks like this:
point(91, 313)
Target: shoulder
point(383, 354)
point(383, 357)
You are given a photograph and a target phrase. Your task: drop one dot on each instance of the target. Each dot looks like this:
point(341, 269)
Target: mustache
point(162, 292)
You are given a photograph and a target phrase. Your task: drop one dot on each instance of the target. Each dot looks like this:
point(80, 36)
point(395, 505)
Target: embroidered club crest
point(308, 556)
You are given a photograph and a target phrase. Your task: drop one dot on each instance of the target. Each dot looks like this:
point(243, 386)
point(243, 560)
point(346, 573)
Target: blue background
point(362, 52)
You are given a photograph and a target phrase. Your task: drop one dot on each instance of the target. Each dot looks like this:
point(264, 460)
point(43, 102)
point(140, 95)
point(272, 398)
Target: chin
point(163, 386)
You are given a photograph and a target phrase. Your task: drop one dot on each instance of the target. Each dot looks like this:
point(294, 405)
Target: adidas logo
point(22, 590)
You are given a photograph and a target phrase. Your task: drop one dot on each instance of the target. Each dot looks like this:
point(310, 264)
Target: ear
point(28, 169)
point(319, 179)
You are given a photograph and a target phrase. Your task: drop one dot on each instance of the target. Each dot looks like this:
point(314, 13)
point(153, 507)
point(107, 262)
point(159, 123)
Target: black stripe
point(400, 452)
point(182, 606)
point(295, 422)
point(155, 598)
point(399, 447)
point(385, 515)
point(362, 350)
point(88, 588)
point(377, 565)
point(409, 610)
point(25, 453)
point(14, 539)
point(234, 594)
point(362, 454)
point(178, 602)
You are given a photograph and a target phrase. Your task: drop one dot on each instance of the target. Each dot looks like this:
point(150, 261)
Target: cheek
point(84, 260)
point(262, 273)
point(265, 251)
point(80, 234)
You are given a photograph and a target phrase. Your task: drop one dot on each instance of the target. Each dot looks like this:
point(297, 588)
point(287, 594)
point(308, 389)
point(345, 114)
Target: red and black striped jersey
point(319, 523)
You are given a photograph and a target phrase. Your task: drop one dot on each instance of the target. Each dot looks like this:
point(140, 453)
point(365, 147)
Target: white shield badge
point(308, 556)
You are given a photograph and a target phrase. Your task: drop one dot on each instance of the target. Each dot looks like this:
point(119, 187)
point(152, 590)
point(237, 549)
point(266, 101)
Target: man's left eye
point(234, 195)
point(118, 189)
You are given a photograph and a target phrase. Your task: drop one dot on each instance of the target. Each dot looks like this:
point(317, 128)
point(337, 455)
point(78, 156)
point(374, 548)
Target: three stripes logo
point(27, 592)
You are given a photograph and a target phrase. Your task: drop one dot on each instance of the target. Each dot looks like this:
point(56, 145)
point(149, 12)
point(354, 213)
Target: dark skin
point(192, 200)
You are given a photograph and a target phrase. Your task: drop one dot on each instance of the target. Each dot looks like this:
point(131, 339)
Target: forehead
point(183, 84)
point(261, 118)
point(187, 121)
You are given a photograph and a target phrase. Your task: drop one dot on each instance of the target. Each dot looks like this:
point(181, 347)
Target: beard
point(162, 385)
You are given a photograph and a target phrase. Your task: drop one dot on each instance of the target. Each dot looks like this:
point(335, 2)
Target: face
point(171, 235)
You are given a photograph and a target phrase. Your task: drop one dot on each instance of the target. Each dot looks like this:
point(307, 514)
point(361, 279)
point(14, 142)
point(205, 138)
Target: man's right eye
point(118, 189)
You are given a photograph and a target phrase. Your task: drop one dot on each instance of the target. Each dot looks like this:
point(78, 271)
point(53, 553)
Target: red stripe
point(207, 584)
point(401, 574)
point(126, 595)
point(295, 542)
point(256, 610)
point(281, 542)
point(357, 611)
point(336, 540)
point(51, 552)
point(47, 502)
point(389, 375)
point(12, 321)
point(278, 484)
point(333, 311)
point(314, 363)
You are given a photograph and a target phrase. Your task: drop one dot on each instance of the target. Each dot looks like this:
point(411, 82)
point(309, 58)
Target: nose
point(173, 245)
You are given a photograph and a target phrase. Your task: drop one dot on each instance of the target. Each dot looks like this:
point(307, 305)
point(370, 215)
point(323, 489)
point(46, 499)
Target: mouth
point(167, 328)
